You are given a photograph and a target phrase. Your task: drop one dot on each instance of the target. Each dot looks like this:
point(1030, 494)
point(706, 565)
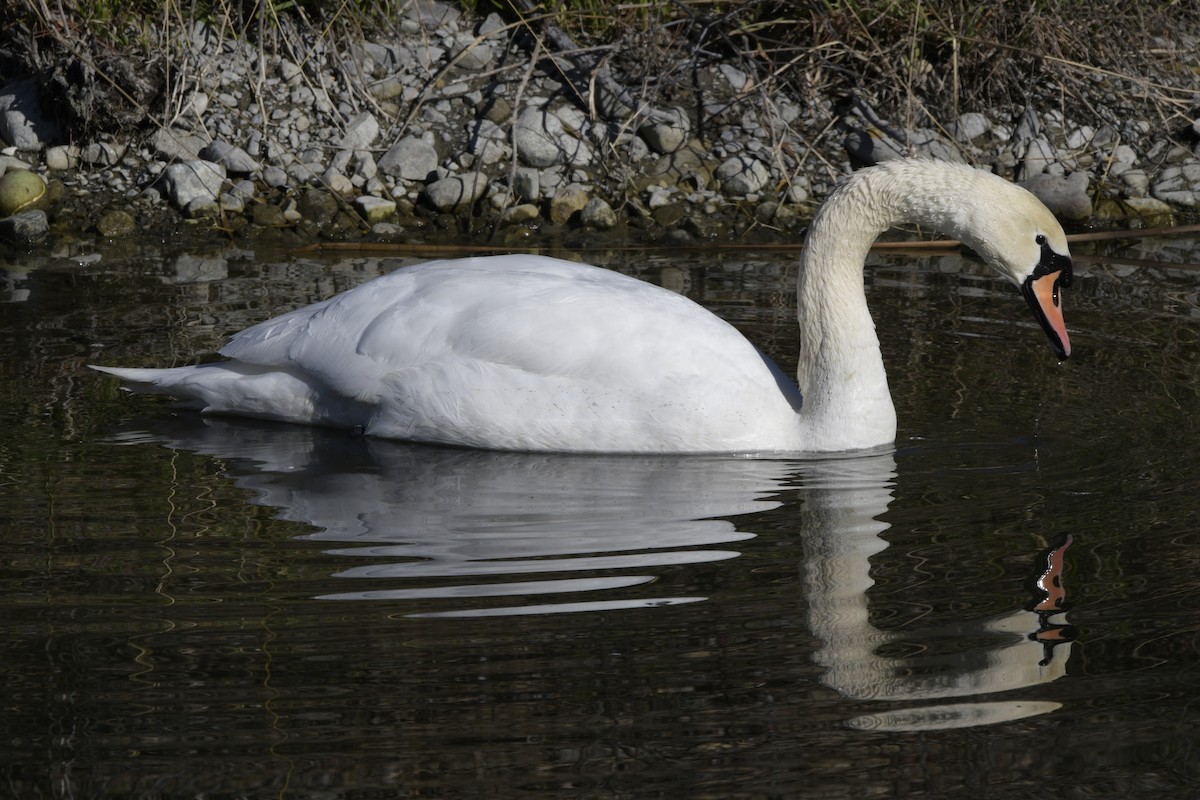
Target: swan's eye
point(1040, 239)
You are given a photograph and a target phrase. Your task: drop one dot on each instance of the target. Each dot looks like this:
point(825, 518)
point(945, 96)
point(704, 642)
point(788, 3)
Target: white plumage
point(523, 352)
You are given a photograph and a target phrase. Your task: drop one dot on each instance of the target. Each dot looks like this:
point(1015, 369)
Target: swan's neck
point(847, 403)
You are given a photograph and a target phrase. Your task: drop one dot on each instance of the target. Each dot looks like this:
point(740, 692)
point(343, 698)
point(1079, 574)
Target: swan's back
point(508, 352)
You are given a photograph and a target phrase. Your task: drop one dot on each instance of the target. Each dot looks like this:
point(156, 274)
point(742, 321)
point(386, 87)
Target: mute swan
point(522, 352)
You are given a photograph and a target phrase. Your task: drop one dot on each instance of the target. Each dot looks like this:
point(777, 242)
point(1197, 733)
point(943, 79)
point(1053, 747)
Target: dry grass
point(920, 63)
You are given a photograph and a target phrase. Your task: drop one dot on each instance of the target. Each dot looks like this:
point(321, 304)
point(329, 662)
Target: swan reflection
point(453, 527)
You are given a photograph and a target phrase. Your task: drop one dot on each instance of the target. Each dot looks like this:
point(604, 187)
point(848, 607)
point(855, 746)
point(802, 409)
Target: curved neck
point(847, 403)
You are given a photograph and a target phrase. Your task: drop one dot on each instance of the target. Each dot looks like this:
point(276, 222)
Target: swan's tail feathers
point(248, 390)
point(137, 380)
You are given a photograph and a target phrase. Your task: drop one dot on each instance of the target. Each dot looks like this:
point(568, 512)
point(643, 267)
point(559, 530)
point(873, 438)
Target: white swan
point(531, 353)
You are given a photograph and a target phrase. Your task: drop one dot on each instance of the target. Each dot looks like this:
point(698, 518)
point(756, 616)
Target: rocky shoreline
point(454, 125)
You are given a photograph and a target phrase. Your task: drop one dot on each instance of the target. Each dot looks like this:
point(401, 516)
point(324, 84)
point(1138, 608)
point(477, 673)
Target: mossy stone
point(21, 190)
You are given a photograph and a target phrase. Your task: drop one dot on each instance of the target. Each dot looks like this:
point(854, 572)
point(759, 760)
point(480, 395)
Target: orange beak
point(1042, 294)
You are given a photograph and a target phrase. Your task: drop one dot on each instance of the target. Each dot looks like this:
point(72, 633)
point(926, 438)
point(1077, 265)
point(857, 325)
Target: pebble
point(526, 212)
point(319, 206)
point(667, 135)
point(742, 175)
point(477, 131)
point(268, 216)
point(361, 131)
point(25, 229)
point(190, 182)
point(62, 157)
point(275, 177)
point(22, 123)
point(235, 160)
point(971, 126)
point(172, 144)
point(115, 223)
point(374, 209)
point(541, 141)
point(1178, 185)
point(567, 202)
point(1066, 196)
point(527, 184)
point(411, 159)
point(456, 191)
point(598, 214)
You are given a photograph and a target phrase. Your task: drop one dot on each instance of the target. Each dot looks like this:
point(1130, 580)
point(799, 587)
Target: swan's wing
point(536, 314)
point(521, 351)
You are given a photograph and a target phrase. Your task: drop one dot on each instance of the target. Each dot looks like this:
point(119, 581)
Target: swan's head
point(1014, 232)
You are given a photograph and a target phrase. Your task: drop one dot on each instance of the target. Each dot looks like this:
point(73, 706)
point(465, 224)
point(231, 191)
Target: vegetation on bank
point(921, 62)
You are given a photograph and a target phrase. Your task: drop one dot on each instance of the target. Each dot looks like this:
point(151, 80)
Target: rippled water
point(1005, 605)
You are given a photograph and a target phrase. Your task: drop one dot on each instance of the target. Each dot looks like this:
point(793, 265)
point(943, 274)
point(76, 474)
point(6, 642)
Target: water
point(219, 608)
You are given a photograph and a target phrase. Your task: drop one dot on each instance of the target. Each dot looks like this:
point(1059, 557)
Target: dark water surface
point(212, 608)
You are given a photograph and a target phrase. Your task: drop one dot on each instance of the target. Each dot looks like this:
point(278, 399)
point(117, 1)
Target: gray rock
point(1121, 160)
point(493, 23)
point(568, 201)
point(667, 135)
point(289, 73)
point(235, 160)
point(22, 124)
point(172, 144)
point(1179, 185)
point(374, 209)
point(872, 146)
point(598, 214)
point(231, 203)
point(338, 183)
point(386, 230)
point(25, 229)
point(1082, 137)
point(361, 131)
point(291, 214)
point(275, 177)
point(526, 212)
point(1151, 211)
point(527, 184)
point(365, 166)
point(191, 181)
point(12, 162)
point(62, 157)
point(742, 175)
point(244, 189)
point(301, 173)
point(432, 14)
point(115, 223)
point(103, 154)
point(736, 79)
point(797, 191)
point(469, 55)
point(427, 55)
point(456, 191)
point(1039, 155)
point(971, 126)
point(1027, 129)
point(412, 159)
point(1136, 181)
point(489, 143)
point(387, 88)
point(202, 208)
point(318, 205)
point(542, 141)
point(1067, 197)
point(268, 216)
